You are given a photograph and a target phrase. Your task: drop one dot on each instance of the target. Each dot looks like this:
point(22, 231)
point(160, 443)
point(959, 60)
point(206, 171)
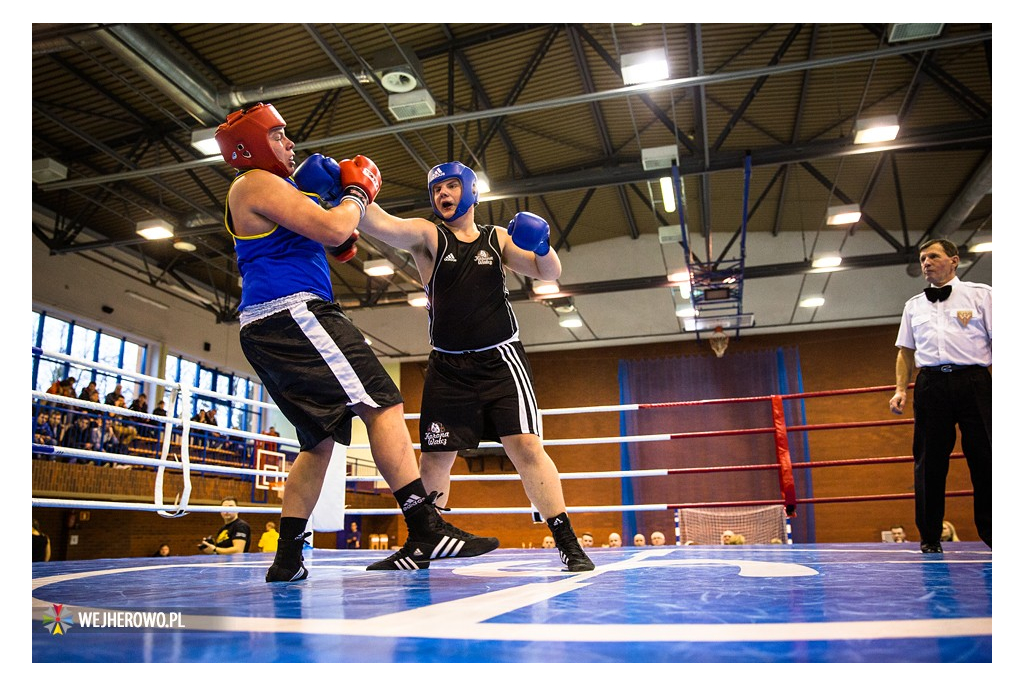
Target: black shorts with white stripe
point(477, 396)
point(316, 364)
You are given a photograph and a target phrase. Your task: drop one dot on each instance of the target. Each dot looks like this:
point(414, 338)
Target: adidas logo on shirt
point(450, 258)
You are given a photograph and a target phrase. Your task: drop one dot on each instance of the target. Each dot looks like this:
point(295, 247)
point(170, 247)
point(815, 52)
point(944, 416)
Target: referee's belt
point(949, 368)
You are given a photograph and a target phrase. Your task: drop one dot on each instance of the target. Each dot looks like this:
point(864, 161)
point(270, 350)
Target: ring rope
point(183, 506)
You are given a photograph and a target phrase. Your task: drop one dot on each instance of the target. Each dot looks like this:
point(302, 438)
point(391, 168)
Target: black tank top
point(468, 300)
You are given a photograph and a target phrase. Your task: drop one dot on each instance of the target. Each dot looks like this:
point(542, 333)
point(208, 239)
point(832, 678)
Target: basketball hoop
point(718, 341)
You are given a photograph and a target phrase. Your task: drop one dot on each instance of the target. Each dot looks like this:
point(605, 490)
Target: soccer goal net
point(759, 525)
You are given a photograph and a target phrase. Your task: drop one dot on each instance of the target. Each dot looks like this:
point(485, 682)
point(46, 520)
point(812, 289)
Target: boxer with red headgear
point(313, 361)
point(478, 385)
point(254, 139)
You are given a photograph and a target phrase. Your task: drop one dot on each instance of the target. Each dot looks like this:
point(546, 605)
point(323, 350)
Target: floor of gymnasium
point(804, 603)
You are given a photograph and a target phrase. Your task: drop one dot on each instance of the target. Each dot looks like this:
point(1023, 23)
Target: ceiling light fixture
point(204, 140)
point(876, 129)
point(668, 196)
point(378, 267)
point(826, 263)
point(812, 301)
point(483, 184)
point(191, 294)
point(682, 276)
point(417, 299)
point(570, 320)
point(184, 246)
point(546, 287)
point(685, 311)
point(142, 298)
point(154, 229)
point(644, 67)
point(840, 215)
point(981, 243)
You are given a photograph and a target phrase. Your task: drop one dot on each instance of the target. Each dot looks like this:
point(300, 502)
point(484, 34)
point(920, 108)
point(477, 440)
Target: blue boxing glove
point(530, 232)
point(320, 176)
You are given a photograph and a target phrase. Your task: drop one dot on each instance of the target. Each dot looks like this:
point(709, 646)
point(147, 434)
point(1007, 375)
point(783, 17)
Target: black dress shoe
point(931, 548)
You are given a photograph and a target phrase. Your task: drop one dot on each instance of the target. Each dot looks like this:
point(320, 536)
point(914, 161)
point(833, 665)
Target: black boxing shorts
point(316, 365)
point(471, 397)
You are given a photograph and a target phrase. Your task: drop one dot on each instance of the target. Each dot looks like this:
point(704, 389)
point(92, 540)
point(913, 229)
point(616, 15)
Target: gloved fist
point(321, 176)
point(530, 232)
point(360, 181)
point(347, 250)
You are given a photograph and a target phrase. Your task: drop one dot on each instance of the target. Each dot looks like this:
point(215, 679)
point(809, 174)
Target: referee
point(946, 332)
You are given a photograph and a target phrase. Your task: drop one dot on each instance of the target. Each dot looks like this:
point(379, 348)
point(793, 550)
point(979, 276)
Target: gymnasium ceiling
point(760, 115)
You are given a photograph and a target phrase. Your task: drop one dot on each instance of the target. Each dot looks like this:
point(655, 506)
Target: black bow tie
point(938, 294)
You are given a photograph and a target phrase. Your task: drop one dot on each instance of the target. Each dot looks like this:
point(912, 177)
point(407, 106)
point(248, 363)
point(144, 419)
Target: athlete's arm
point(545, 268)
point(414, 235)
point(260, 199)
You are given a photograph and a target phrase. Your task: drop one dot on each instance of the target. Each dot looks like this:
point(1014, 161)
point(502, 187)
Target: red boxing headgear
point(244, 142)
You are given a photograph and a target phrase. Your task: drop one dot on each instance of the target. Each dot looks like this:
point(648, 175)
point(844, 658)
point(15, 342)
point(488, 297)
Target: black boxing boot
point(431, 538)
point(288, 566)
point(569, 549)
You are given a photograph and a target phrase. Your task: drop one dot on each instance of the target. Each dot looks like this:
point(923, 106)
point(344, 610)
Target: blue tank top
point(279, 263)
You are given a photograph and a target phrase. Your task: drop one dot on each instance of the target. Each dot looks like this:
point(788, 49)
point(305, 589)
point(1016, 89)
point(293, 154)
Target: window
point(238, 415)
point(53, 334)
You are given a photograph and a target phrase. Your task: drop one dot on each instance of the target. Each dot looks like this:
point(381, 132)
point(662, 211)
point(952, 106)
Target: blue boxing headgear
point(442, 172)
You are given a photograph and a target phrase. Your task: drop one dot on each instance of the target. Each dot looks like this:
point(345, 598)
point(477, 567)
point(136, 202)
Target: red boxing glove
point(360, 181)
point(347, 250)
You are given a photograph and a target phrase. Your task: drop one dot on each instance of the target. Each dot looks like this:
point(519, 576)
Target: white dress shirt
point(956, 331)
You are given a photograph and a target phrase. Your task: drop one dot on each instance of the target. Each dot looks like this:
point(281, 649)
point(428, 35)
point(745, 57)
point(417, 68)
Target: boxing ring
point(793, 603)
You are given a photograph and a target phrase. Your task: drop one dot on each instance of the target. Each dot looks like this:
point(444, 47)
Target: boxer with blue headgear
point(478, 383)
point(449, 170)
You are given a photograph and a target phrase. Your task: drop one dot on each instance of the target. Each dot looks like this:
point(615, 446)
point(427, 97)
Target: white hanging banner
point(329, 512)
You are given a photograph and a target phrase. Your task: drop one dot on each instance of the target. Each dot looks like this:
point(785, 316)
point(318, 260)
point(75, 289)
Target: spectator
point(79, 435)
point(352, 537)
point(948, 533)
point(87, 391)
point(140, 404)
point(42, 432)
point(40, 543)
point(268, 541)
point(548, 543)
point(614, 540)
point(164, 551)
point(233, 537)
point(114, 394)
point(898, 535)
point(731, 538)
point(657, 538)
point(125, 432)
point(639, 540)
point(587, 540)
point(58, 423)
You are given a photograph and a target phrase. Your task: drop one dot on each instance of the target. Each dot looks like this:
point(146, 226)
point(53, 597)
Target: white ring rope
point(183, 507)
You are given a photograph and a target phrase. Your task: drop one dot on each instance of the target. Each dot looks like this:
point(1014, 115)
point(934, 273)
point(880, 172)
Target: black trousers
point(942, 402)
